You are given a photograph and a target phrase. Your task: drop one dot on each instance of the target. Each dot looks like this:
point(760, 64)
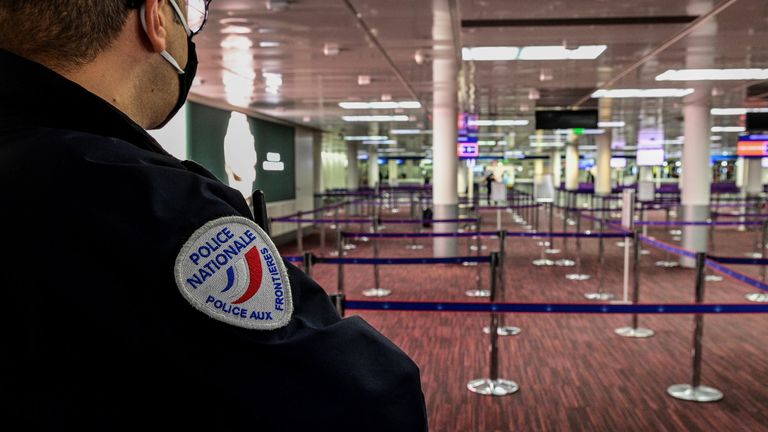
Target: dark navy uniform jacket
point(95, 331)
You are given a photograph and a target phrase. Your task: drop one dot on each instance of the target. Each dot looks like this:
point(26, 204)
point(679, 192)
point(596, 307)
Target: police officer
point(137, 290)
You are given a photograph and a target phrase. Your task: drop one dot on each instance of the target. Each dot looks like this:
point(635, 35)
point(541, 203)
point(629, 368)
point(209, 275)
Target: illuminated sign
point(468, 129)
point(752, 148)
point(468, 150)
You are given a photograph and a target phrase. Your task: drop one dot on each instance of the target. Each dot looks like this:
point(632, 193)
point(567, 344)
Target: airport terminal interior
point(557, 208)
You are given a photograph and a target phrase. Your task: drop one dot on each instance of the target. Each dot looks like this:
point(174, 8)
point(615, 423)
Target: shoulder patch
point(231, 271)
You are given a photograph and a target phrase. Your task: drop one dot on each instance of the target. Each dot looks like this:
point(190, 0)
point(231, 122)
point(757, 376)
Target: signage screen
point(566, 119)
point(650, 157)
point(468, 150)
point(617, 162)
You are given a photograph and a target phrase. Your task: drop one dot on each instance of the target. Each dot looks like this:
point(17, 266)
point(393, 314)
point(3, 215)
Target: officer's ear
point(155, 23)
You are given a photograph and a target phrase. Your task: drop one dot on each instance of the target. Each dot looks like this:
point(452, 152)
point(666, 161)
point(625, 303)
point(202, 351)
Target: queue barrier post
point(503, 330)
point(376, 291)
point(761, 297)
point(551, 246)
point(339, 266)
point(299, 237)
point(339, 302)
point(478, 291)
point(493, 385)
point(600, 294)
point(695, 392)
point(578, 276)
point(635, 331)
point(309, 262)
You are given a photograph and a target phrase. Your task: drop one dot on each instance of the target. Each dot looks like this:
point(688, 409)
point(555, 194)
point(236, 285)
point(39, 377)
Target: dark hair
point(62, 33)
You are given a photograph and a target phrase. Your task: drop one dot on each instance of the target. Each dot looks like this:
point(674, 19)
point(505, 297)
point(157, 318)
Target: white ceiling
point(312, 84)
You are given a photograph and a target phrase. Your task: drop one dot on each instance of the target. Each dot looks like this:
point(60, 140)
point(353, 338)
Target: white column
point(445, 162)
point(557, 167)
point(603, 177)
point(353, 173)
point(393, 174)
point(754, 178)
point(317, 162)
point(572, 166)
point(740, 172)
point(695, 194)
point(373, 166)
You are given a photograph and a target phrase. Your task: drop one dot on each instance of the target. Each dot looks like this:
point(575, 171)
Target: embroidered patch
point(231, 271)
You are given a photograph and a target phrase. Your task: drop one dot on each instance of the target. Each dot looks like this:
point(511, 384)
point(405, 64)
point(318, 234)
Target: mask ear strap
point(168, 57)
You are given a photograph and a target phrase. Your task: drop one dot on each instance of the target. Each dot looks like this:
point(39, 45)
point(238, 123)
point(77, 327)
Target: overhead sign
point(468, 150)
point(749, 146)
point(468, 129)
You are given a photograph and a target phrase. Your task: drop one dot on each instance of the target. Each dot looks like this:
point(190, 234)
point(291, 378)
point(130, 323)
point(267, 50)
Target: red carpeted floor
point(574, 372)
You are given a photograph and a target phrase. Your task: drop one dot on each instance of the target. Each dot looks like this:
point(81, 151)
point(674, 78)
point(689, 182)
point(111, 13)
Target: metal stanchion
point(493, 385)
point(309, 262)
point(376, 291)
point(696, 392)
point(478, 291)
point(299, 237)
point(578, 276)
point(543, 261)
point(761, 297)
point(503, 330)
point(600, 295)
point(635, 331)
point(339, 266)
point(667, 262)
point(551, 250)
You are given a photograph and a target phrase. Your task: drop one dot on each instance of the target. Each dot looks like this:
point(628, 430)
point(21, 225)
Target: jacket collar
point(34, 95)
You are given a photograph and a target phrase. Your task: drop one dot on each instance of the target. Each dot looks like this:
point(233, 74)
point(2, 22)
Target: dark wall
point(206, 129)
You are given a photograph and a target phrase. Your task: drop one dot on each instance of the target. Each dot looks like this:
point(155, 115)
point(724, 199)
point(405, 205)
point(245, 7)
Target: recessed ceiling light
point(236, 42)
point(269, 44)
point(728, 129)
point(376, 118)
point(559, 52)
point(380, 105)
point(234, 29)
point(549, 52)
point(713, 74)
point(736, 111)
point(366, 138)
point(499, 122)
point(331, 49)
point(642, 93)
point(607, 124)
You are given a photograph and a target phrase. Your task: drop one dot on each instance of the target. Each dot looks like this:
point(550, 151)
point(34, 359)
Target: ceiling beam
point(594, 21)
point(671, 41)
point(372, 37)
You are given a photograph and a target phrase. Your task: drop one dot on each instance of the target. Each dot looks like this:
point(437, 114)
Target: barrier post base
point(645, 252)
point(350, 246)
point(478, 293)
point(578, 277)
point(639, 332)
point(757, 297)
point(676, 232)
point(414, 247)
point(600, 296)
point(667, 264)
point(469, 263)
point(543, 244)
point(713, 278)
point(377, 292)
point(551, 251)
point(753, 255)
point(543, 262)
point(620, 243)
point(498, 387)
point(503, 330)
point(695, 394)
point(565, 263)
point(474, 248)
